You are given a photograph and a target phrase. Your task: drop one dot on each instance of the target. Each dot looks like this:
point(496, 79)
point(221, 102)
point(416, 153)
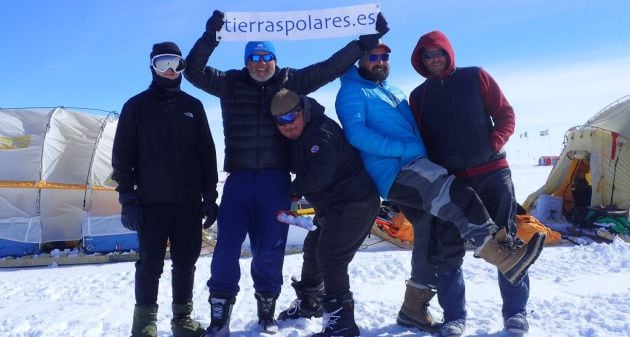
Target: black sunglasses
point(375, 57)
point(427, 55)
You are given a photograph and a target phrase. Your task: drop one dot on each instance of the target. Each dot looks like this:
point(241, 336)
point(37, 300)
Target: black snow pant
point(328, 250)
point(179, 223)
point(423, 186)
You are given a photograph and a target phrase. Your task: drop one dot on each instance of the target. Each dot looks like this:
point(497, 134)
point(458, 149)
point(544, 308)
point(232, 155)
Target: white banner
point(299, 25)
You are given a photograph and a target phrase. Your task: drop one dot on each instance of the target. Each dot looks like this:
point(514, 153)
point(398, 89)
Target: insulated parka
point(163, 148)
point(479, 122)
point(251, 138)
point(377, 120)
point(329, 171)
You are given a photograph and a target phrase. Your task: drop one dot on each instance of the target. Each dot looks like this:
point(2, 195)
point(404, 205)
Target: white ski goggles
point(164, 62)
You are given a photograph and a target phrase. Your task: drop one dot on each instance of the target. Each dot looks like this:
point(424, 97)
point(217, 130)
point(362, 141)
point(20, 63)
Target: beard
point(375, 74)
point(259, 78)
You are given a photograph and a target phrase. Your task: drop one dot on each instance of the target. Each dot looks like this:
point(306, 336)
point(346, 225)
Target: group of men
point(439, 159)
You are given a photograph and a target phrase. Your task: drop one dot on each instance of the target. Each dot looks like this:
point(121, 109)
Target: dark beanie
point(284, 101)
point(165, 48)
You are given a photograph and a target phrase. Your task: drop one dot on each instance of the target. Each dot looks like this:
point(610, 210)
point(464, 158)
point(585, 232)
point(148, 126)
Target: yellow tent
point(595, 159)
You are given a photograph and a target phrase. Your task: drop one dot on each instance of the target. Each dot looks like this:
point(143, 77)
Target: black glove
point(215, 22)
point(370, 41)
point(209, 209)
point(131, 213)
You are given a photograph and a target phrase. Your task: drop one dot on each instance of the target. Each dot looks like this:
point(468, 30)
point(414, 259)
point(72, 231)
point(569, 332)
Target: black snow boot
point(307, 304)
point(221, 310)
point(339, 317)
point(266, 311)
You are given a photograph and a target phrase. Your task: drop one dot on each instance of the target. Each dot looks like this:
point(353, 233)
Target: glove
point(295, 204)
point(370, 41)
point(215, 22)
point(131, 213)
point(209, 209)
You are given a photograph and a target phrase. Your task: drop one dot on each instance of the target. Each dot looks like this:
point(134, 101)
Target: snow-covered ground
point(575, 291)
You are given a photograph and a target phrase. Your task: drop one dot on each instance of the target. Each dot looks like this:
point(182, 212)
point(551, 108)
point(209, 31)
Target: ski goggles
point(164, 62)
point(257, 57)
point(288, 117)
point(376, 57)
point(427, 55)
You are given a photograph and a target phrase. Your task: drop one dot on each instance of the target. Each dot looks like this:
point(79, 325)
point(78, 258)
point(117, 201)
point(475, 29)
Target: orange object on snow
point(399, 227)
point(527, 226)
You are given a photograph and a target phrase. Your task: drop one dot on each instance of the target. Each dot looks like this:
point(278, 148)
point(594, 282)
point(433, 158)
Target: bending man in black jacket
point(257, 159)
point(164, 161)
point(330, 174)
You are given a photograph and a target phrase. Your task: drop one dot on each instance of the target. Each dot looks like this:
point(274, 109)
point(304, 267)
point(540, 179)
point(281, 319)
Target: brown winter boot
point(414, 312)
point(144, 321)
point(510, 259)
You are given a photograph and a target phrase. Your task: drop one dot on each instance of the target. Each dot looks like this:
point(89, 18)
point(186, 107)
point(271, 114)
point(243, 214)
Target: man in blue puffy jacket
point(378, 121)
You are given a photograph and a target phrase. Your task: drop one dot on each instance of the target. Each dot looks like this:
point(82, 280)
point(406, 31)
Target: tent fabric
point(55, 177)
point(603, 142)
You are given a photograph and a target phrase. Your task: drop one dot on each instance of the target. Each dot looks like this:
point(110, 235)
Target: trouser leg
point(234, 217)
point(268, 236)
point(342, 232)
point(185, 248)
point(427, 186)
point(152, 238)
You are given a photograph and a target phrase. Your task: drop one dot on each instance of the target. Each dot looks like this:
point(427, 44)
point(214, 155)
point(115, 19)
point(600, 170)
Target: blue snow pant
point(248, 206)
point(179, 223)
point(442, 251)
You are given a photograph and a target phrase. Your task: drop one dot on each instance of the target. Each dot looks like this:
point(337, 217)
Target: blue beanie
point(254, 46)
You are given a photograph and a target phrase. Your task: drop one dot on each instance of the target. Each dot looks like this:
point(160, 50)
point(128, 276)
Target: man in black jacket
point(165, 164)
point(256, 156)
point(330, 174)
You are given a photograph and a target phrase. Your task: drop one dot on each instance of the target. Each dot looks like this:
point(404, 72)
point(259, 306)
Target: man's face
point(261, 66)
point(377, 64)
point(435, 60)
point(294, 129)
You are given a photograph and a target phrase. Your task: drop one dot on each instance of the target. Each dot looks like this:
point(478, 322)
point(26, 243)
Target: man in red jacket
point(465, 122)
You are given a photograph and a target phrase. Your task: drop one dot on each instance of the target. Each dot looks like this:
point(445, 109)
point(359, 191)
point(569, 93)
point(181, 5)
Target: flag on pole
point(544, 132)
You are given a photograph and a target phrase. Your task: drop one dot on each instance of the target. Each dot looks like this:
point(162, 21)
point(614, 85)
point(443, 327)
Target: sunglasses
point(163, 62)
point(288, 117)
point(427, 55)
point(375, 57)
point(258, 57)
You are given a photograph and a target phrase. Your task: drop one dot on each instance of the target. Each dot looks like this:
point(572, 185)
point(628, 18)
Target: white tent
point(597, 152)
point(55, 181)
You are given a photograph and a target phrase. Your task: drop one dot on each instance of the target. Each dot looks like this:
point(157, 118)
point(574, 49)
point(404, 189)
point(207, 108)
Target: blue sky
point(558, 62)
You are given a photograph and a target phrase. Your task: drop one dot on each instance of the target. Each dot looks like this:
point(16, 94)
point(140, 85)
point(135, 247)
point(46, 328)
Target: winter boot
point(266, 312)
point(339, 317)
point(415, 308)
point(453, 328)
point(144, 321)
point(221, 310)
point(181, 324)
point(307, 304)
point(517, 324)
point(512, 260)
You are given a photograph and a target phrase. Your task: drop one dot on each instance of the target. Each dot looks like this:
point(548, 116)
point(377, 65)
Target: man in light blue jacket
point(378, 121)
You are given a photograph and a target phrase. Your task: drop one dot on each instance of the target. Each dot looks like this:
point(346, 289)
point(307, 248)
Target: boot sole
point(409, 322)
point(534, 248)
